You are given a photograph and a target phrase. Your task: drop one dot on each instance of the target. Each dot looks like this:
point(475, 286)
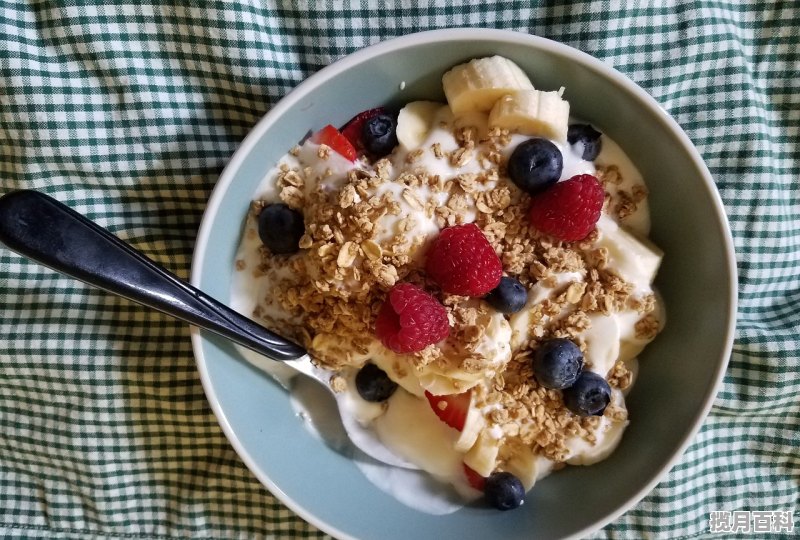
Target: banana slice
point(413, 431)
point(532, 112)
point(478, 84)
point(415, 121)
point(524, 465)
point(479, 121)
point(636, 260)
point(602, 343)
point(482, 457)
point(440, 384)
point(630, 344)
point(396, 367)
point(473, 426)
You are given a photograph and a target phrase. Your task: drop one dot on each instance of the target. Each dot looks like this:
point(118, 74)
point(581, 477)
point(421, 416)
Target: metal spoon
point(52, 234)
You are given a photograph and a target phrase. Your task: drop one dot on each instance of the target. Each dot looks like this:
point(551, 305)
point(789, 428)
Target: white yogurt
point(409, 427)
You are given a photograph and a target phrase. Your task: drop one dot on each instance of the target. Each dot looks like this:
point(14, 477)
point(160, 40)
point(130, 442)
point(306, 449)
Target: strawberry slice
point(330, 136)
point(353, 128)
point(473, 478)
point(451, 409)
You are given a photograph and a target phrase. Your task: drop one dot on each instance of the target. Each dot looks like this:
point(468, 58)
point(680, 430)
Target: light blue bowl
point(680, 371)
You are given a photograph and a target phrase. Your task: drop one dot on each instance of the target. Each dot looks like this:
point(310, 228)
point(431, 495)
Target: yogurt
point(599, 294)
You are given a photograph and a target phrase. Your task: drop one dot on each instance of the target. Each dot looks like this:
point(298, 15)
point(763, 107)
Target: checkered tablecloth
point(129, 111)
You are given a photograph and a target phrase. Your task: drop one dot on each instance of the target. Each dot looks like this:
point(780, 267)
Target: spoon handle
point(50, 233)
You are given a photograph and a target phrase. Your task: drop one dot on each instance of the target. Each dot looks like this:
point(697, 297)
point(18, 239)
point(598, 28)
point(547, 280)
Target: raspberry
point(461, 261)
point(570, 209)
point(411, 319)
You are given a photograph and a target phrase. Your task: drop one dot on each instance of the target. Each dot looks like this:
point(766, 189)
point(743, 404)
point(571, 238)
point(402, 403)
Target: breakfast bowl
point(680, 371)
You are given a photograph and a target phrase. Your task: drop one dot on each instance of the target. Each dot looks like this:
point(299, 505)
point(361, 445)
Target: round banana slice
point(482, 457)
point(532, 112)
point(415, 121)
point(479, 121)
point(478, 84)
point(635, 259)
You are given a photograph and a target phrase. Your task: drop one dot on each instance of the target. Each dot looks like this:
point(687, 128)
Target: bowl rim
point(444, 36)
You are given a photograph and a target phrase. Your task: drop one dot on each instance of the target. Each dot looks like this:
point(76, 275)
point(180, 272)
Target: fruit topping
point(410, 319)
point(379, 135)
point(589, 396)
point(461, 261)
point(588, 137)
point(415, 121)
point(354, 127)
point(479, 83)
point(280, 228)
point(509, 296)
point(451, 409)
point(504, 491)
point(532, 112)
point(330, 136)
point(474, 479)
point(535, 165)
point(373, 384)
point(557, 363)
point(482, 457)
point(568, 210)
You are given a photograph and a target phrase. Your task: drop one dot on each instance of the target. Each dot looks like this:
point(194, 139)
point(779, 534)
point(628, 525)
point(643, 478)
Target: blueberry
point(379, 135)
point(588, 136)
point(589, 396)
point(557, 363)
point(373, 384)
point(508, 297)
point(280, 228)
point(535, 165)
point(504, 491)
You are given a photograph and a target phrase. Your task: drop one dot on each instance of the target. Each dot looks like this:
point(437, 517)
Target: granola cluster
point(361, 240)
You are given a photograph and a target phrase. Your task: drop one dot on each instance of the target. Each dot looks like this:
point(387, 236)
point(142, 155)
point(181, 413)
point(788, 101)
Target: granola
point(367, 228)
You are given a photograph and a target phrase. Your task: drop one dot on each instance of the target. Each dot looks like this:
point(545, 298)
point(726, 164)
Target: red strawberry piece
point(568, 210)
point(473, 478)
point(461, 261)
point(353, 128)
point(451, 409)
point(330, 136)
point(411, 319)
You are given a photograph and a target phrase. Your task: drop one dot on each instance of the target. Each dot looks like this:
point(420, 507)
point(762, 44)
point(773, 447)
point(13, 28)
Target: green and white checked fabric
point(129, 111)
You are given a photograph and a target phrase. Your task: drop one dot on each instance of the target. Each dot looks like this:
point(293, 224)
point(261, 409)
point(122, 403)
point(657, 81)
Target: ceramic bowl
point(679, 372)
